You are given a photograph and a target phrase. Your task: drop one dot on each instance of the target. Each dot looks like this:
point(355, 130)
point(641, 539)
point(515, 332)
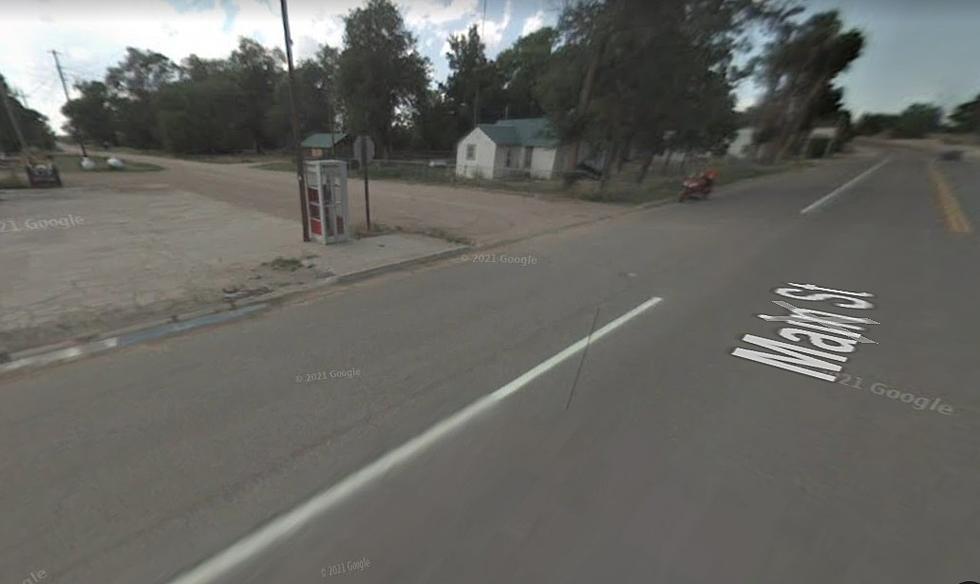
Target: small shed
point(327, 145)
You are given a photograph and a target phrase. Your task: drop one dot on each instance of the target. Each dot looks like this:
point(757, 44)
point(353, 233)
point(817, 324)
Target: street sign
point(359, 149)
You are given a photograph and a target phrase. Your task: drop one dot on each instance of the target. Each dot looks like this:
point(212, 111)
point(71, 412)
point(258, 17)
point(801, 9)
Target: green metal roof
point(522, 132)
point(325, 140)
point(502, 135)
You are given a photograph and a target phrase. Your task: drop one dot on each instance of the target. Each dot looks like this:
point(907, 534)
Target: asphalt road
point(659, 457)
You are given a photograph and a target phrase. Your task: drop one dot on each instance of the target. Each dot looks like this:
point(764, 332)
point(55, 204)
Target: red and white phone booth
point(326, 200)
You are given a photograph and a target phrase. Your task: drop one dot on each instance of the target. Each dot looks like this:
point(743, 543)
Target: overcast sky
point(919, 50)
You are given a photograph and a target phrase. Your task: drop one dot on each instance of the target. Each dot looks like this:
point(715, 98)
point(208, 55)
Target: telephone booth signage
point(326, 200)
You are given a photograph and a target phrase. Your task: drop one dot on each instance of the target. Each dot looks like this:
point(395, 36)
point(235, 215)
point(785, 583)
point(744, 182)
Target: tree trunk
point(607, 164)
point(663, 169)
point(624, 153)
point(645, 168)
point(585, 95)
point(794, 126)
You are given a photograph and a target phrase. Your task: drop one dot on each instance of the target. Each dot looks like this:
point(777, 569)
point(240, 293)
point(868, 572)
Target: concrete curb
point(38, 357)
point(78, 348)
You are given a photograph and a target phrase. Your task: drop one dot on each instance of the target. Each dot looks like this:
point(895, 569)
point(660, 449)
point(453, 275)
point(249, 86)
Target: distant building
point(520, 147)
point(328, 145)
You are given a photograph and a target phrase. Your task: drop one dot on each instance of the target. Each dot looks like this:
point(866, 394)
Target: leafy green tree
point(194, 68)
point(381, 71)
point(132, 86)
point(202, 117)
point(256, 72)
point(474, 85)
point(91, 113)
point(317, 97)
point(965, 118)
point(798, 68)
point(917, 121)
point(32, 124)
point(871, 124)
point(522, 67)
point(433, 125)
point(627, 72)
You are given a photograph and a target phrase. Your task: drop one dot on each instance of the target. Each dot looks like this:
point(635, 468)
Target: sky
point(918, 50)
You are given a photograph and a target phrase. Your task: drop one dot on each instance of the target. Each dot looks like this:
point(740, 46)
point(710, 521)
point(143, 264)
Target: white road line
point(285, 525)
point(830, 196)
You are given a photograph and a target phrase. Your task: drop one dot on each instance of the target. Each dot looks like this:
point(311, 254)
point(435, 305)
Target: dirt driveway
point(477, 215)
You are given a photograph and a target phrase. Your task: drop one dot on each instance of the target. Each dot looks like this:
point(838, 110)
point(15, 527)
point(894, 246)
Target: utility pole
point(300, 173)
point(64, 86)
point(13, 120)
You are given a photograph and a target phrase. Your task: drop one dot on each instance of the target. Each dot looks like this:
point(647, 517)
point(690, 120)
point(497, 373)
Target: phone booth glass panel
point(326, 200)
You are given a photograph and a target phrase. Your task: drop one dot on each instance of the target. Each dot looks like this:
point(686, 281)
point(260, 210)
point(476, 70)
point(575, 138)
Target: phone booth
point(326, 200)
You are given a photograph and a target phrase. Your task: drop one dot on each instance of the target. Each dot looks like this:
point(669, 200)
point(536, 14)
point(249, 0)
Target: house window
point(507, 160)
point(471, 152)
point(528, 152)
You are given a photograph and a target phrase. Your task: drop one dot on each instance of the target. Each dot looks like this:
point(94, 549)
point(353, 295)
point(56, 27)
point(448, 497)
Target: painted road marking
point(837, 192)
point(289, 523)
point(956, 221)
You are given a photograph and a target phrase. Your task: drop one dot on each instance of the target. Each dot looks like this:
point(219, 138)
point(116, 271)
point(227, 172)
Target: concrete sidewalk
point(80, 261)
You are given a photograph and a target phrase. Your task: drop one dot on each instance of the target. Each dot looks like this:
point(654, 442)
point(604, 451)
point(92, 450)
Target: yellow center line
point(956, 221)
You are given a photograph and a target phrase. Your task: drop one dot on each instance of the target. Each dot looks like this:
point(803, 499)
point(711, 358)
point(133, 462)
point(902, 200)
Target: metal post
point(78, 136)
point(364, 165)
point(300, 174)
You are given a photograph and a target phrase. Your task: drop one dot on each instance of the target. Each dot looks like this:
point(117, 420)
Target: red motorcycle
point(698, 186)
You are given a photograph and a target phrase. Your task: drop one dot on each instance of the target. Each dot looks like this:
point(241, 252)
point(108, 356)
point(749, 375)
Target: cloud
point(426, 13)
point(533, 23)
point(492, 30)
point(94, 35)
point(92, 39)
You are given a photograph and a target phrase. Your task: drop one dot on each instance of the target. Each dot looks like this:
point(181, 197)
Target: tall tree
point(522, 66)
point(202, 116)
point(132, 85)
point(32, 124)
point(256, 71)
point(627, 71)
point(434, 123)
point(91, 113)
point(473, 87)
point(917, 121)
point(316, 97)
point(381, 70)
point(965, 118)
point(799, 66)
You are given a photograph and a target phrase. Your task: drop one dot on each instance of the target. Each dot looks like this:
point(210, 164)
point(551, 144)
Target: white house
point(522, 147)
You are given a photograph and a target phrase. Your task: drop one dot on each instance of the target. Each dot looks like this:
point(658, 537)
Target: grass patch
point(384, 229)
point(227, 158)
point(284, 264)
point(10, 181)
point(70, 163)
point(621, 188)
point(279, 165)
